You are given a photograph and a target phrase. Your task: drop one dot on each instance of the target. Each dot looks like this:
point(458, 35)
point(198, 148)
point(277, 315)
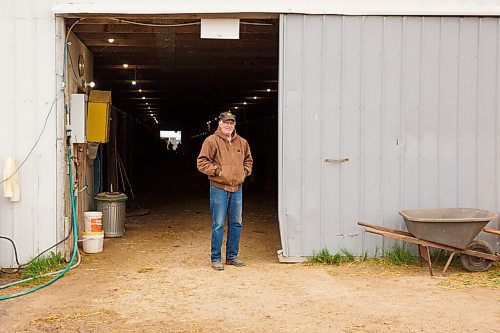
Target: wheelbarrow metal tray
point(455, 227)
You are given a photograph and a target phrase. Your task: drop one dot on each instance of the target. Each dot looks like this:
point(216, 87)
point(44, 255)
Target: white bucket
point(93, 242)
point(93, 221)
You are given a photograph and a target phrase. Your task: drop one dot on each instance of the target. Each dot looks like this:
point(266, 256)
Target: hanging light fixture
point(134, 81)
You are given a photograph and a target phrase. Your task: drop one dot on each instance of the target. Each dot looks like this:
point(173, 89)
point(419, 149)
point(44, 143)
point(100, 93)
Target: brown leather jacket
point(226, 163)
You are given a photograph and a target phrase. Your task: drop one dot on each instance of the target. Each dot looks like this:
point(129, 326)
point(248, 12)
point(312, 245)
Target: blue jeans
point(224, 203)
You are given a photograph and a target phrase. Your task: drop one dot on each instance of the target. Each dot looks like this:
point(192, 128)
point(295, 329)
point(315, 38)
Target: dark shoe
point(235, 262)
point(217, 265)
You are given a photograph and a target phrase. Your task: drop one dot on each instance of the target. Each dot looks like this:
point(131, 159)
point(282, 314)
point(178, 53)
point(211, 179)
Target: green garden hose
point(75, 238)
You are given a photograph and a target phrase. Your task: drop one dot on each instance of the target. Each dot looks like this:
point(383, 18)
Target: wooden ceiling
point(185, 80)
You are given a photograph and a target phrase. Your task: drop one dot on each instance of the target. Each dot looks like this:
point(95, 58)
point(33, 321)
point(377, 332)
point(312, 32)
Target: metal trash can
point(112, 206)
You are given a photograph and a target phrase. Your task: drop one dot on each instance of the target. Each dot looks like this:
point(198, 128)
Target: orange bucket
point(93, 221)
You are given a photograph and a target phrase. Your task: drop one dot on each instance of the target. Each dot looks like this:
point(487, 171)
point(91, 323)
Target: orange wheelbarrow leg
point(424, 254)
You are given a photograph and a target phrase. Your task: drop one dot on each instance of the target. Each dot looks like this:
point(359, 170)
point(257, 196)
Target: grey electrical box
point(78, 118)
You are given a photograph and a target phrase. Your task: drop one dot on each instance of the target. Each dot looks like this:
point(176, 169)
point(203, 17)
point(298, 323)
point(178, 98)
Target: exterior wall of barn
point(412, 102)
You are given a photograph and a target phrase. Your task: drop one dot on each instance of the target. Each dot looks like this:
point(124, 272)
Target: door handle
point(337, 160)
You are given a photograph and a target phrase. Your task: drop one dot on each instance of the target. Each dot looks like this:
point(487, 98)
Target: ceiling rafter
point(183, 78)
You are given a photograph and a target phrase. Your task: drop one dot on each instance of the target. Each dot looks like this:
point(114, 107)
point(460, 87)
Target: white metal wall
point(411, 101)
point(27, 91)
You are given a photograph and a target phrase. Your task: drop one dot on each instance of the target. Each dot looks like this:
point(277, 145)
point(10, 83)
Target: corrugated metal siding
point(411, 101)
point(27, 90)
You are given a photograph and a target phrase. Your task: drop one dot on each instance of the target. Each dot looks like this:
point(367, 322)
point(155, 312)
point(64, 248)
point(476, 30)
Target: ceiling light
point(111, 40)
point(143, 97)
point(149, 108)
point(236, 108)
point(140, 90)
point(125, 65)
point(147, 103)
point(255, 97)
point(134, 82)
point(244, 103)
point(268, 90)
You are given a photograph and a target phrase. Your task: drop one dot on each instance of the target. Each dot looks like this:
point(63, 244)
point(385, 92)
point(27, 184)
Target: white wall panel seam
point(382, 120)
point(476, 118)
point(420, 116)
point(36, 170)
point(303, 100)
point(15, 128)
point(341, 120)
point(497, 152)
point(497, 134)
point(459, 105)
point(61, 179)
point(362, 80)
point(281, 193)
point(322, 148)
point(439, 110)
point(402, 151)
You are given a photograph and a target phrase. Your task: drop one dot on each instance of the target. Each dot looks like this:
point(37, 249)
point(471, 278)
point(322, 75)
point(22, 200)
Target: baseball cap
point(227, 116)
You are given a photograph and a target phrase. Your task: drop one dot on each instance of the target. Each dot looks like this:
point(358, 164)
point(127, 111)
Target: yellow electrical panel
point(98, 116)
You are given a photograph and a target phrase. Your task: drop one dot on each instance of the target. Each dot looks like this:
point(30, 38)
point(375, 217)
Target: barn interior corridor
point(168, 86)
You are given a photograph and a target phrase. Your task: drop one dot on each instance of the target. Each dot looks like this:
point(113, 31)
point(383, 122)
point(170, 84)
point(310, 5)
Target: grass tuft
point(43, 265)
point(325, 257)
point(348, 256)
point(442, 258)
point(365, 256)
point(400, 255)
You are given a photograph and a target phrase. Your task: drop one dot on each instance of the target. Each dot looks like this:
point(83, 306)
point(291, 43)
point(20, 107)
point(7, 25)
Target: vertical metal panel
point(281, 89)
point(331, 129)
point(311, 124)
point(371, 125)
point(429, 111)
point(27, 92)
point(7, 91)
point(391, 121)
point(413, 103)
point(467, 112)
point(411, 110)
point(497, 141)
point(448, 112)
point(292, 134)
point(25, 131)
point(486, 116)
point(351, 136)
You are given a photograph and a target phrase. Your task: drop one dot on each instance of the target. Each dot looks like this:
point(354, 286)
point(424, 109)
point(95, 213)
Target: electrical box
point(98, 116)
point(78, 118)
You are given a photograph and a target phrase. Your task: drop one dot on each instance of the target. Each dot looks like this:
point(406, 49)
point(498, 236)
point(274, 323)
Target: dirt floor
point(158, 279)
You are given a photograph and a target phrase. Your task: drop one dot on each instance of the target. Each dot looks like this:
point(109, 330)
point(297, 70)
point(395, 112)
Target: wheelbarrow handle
point(492, 231)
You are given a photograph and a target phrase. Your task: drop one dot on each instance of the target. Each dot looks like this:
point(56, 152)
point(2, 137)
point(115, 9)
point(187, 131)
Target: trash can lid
point(111, 196)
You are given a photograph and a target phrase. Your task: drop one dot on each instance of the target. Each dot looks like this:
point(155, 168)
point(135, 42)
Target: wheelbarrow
point(446, 229)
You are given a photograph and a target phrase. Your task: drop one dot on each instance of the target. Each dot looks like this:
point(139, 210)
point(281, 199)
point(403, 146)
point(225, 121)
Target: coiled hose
point(75, 239)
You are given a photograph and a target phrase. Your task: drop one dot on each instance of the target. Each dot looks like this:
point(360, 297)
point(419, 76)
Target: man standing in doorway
point(226, 159)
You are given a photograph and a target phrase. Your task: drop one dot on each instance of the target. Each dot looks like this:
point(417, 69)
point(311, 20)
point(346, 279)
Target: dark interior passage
point(163, 76)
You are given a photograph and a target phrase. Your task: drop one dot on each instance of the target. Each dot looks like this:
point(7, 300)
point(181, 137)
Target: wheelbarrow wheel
point(476, 264)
